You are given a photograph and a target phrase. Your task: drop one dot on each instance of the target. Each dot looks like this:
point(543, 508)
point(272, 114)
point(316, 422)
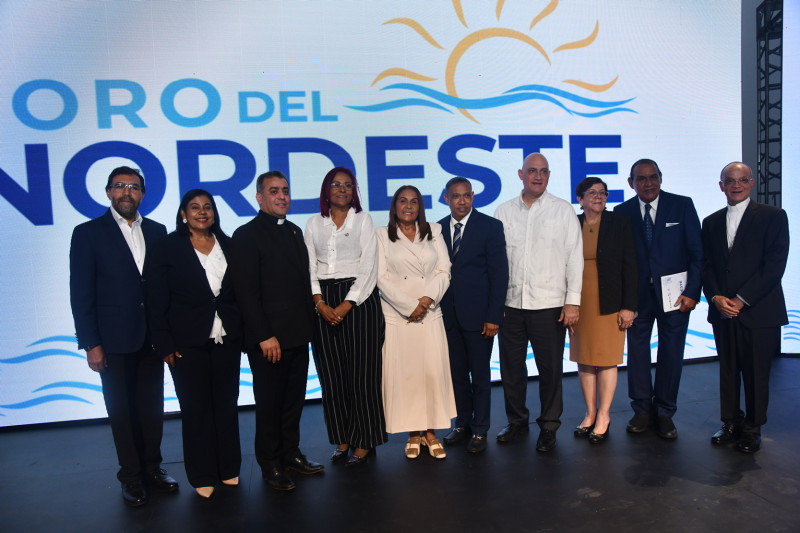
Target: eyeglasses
point(736, 181)
point(119, 186)
point(592, 193)
point(337, 185)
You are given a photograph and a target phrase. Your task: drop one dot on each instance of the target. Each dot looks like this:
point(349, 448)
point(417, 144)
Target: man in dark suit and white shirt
point(106, 261)
point(472, 308)
point(273, 290)
point(666, 230)
point(746, 247)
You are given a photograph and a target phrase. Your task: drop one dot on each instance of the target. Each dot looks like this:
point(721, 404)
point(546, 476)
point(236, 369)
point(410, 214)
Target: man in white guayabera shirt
point(545, 261)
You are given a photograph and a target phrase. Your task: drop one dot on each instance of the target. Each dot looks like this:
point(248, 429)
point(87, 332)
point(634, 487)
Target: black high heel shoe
point(339, 455)
point(583, 431)
point(597, 438)
point(355, 460)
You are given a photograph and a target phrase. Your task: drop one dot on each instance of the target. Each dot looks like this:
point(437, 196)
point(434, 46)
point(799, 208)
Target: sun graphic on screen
point(570, 102)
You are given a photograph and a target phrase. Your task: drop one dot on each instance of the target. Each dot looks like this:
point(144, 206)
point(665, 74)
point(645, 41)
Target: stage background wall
point(212, 93)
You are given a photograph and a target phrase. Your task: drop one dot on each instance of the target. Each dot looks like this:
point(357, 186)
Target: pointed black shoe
point(597, 438)
point(355, 460)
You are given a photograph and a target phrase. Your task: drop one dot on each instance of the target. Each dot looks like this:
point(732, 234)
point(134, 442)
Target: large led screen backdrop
point(211, 93)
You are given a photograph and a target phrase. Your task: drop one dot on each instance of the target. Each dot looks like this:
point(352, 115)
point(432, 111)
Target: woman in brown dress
point(608, 302)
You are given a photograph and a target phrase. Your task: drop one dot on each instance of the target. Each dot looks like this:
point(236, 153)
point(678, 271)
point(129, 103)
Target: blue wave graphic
point(71, 384)
point(512, 96)
point(56, 338)
point(45, 399)
point(39, 354)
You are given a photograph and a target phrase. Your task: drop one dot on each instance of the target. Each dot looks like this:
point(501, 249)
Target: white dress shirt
point(545, 253)
point(463, 223)
point(732, 219)
point(215, 266)
point(350, 251)
point(133, 236)
point(653, 208)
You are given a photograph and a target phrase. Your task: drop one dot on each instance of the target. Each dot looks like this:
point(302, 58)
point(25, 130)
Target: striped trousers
point(348, 361)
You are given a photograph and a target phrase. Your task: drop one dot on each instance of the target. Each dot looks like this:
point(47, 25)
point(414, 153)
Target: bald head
point(736, 181)
point(535, 175)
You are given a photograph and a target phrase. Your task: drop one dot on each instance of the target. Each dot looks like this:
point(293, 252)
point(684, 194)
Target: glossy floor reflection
point(61, 478)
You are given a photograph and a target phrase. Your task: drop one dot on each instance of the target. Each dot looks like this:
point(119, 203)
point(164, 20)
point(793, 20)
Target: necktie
point(457, 238)
point(648, 226)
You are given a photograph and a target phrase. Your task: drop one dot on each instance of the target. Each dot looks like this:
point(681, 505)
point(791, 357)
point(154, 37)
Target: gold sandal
point(412, 447)
point(435, 448)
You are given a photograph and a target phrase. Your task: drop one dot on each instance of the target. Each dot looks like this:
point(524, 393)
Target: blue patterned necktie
point(648, 225)
point(457, 238)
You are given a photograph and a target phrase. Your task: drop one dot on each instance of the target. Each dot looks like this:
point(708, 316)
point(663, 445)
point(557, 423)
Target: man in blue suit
point(666, 230)
point(472, 308)
point(106, 264)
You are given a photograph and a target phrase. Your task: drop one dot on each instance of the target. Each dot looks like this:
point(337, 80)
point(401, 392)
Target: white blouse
point(347, 252)
point(215, 266)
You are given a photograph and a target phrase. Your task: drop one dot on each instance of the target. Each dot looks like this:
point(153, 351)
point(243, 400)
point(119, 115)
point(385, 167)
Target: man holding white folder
point(669, 252)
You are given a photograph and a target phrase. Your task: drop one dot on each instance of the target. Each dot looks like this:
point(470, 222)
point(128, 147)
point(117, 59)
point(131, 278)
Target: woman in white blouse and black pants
point(350, 329)
point(195, 326)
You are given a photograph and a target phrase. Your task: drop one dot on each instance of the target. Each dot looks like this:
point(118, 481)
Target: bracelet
point(316, 305)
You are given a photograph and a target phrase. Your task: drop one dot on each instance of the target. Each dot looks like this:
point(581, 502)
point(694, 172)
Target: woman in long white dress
point(413, 275)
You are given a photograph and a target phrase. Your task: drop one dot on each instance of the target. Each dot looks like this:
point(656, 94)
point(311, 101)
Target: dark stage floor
point(63, 478)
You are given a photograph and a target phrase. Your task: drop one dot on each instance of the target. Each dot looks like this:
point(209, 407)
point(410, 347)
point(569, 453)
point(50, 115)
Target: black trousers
point(349, 364)
point(207, 383)
point(547, 336)
point(745, 357)
point(133, 390)
point(280, 391)
point(470, 354)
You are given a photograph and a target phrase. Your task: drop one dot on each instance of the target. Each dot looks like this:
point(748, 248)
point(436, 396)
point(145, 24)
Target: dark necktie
point(457, 238)
point(648, 225)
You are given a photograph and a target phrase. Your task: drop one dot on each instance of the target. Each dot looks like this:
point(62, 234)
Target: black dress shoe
point(162, 481)
point(456, 436)
point(749, 443)
point(477, 444)
point(278, 478)
point(546, 441)
point(665, 428)
point(727, 434)
point(133, 494)
point(299, 463)
point(583, 431)
point(339, 455)
point(597, 438)
point(639, 423)
point(512, 431)
point(355, 460)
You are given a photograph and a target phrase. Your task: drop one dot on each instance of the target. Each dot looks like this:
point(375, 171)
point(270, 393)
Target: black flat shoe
point(355, 460)
point(583, 431)
point(339, 455)
point(597, 438)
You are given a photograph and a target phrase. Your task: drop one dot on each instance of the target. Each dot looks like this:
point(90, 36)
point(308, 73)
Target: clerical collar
point(271, 219)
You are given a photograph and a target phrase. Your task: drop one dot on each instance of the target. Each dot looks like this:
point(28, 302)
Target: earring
point(185, 221)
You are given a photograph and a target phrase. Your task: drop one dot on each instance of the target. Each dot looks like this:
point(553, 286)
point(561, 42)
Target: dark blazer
point(478, 275)
point(106, 289)
point(753, 267)
point(180, 303)
point(677, 245)
point(616, 263)
point(272, 282)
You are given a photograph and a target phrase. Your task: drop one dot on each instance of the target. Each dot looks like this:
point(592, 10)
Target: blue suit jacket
point(106, 289)
point(677, 244)
point(478, 275)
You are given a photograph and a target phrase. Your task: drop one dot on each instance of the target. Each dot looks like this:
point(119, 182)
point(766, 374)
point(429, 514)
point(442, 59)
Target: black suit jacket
point(180, 303)
point(478, 275)
point(753, 267)
point(272, 282)
point(106, 289)
point(616, 263)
